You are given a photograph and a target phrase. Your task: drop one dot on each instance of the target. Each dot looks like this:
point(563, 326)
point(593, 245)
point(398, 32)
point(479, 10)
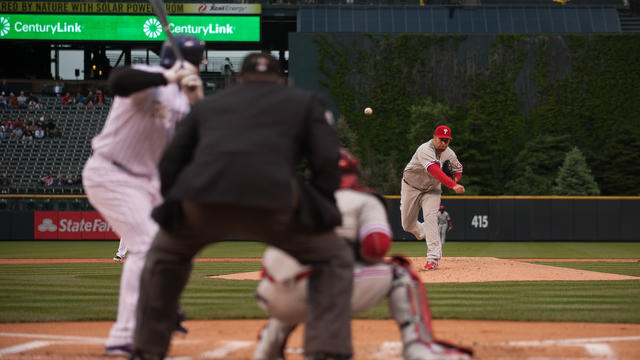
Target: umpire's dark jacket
point(242, 147)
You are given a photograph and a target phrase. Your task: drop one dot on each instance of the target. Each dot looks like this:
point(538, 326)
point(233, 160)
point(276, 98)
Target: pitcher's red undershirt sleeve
point(457, 176)
point(436, 172)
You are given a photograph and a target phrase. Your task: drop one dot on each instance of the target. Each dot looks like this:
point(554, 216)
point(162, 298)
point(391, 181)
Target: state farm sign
point(71, 225)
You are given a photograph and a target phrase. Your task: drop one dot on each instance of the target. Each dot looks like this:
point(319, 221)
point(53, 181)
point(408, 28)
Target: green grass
point(538, 250)
point(106, 249)
point(620, 268)
point(84, 292)
point(79, 292)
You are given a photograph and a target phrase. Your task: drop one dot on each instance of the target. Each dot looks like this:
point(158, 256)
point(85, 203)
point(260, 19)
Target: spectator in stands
point(3, 129)
point(33, 103)
point(17, 133)
point(99, 98)
point(13, 101)
point(27, 136)
point(4, 88)
point(4, 180)
point(80, 101)
point(59, 181)
point(3, 100)
point(47, 179)
point(57, 89)
point(91, 97)
point(39, 133)
point(55, 133)
point(69, 180)
point(41, 122)
point(22, 100)
point(31, 125)
point(66, 99)
point(19, 123)
point(48, 127)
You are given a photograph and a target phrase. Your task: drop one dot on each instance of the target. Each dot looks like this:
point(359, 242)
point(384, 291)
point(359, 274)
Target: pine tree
point(574, 176)
point(537, 165)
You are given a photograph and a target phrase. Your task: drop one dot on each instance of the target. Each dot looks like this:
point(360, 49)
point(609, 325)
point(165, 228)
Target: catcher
point(282, 293)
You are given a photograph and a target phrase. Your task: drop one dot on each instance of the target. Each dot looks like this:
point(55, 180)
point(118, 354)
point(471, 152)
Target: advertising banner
point(79, 7)
point(127, 27)
point(71, 225)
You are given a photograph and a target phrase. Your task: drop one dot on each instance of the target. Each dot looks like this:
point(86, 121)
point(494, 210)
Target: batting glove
point(191, 85)
point(179, 71)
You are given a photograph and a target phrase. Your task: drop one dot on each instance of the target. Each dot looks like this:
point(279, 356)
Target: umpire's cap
point(191, 47)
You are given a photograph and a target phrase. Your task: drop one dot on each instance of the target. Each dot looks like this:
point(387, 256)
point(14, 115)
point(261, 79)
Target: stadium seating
point(27, 161)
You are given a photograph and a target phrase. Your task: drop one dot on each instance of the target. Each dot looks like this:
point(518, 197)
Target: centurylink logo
point(4, 26)
point(152, 28)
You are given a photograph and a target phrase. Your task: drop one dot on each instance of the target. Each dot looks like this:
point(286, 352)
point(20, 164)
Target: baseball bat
point(161, 13)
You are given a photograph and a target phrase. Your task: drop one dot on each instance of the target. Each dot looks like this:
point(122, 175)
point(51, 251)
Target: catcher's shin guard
point(272, 340)
point(410, 307)
point(408, 303)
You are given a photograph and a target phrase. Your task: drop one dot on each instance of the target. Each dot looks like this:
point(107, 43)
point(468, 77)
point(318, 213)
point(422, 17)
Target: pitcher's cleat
point(429, 265)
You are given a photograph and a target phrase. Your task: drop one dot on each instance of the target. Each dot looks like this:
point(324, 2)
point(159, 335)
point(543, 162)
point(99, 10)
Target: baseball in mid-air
point(368, 111)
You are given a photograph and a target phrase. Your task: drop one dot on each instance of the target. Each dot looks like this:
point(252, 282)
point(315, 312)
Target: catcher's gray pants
point(411, 201)
point(169, 261)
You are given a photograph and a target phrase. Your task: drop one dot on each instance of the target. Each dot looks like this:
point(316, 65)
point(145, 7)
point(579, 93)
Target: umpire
point(231, 172)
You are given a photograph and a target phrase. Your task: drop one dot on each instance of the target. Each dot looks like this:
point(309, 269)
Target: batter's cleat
point(124, 351)
point(433, 351)
point(117, 258)
point(430, 265)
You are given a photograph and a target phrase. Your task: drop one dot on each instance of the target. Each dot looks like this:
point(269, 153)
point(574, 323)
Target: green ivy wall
point(517, 104)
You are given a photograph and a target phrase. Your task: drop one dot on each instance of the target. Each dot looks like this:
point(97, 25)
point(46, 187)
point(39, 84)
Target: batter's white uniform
point(443, 225)
point(420, 190)
point(121, 181)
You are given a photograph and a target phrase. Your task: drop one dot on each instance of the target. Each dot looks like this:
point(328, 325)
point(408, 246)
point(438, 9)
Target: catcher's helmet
point(191, 47)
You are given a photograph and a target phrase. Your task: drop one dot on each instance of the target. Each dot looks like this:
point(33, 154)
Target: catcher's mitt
point(446, 168)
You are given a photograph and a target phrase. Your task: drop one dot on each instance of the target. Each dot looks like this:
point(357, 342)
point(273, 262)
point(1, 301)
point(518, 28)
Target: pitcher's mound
point(483, 269)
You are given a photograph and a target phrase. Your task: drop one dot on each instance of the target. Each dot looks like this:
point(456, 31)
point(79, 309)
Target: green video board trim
point(127, 27)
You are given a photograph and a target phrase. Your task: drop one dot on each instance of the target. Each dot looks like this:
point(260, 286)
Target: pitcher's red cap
point(443, 131)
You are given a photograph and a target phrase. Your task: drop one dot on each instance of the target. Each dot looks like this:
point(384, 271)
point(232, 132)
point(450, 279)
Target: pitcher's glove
point(446, 169)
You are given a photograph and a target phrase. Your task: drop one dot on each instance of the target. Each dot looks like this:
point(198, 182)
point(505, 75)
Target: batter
point(121, 178)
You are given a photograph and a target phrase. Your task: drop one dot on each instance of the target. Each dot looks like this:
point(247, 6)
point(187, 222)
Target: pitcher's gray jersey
point(416, 174)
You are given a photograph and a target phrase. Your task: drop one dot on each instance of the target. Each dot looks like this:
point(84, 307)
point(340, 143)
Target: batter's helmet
point(441, 207)
point(191, 47)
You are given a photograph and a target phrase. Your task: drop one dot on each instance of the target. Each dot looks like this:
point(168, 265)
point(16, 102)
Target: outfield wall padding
point(534, 219)
point(474, 219)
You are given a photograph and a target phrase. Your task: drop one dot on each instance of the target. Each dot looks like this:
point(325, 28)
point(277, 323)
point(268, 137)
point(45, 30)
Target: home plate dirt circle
point(372, 339)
